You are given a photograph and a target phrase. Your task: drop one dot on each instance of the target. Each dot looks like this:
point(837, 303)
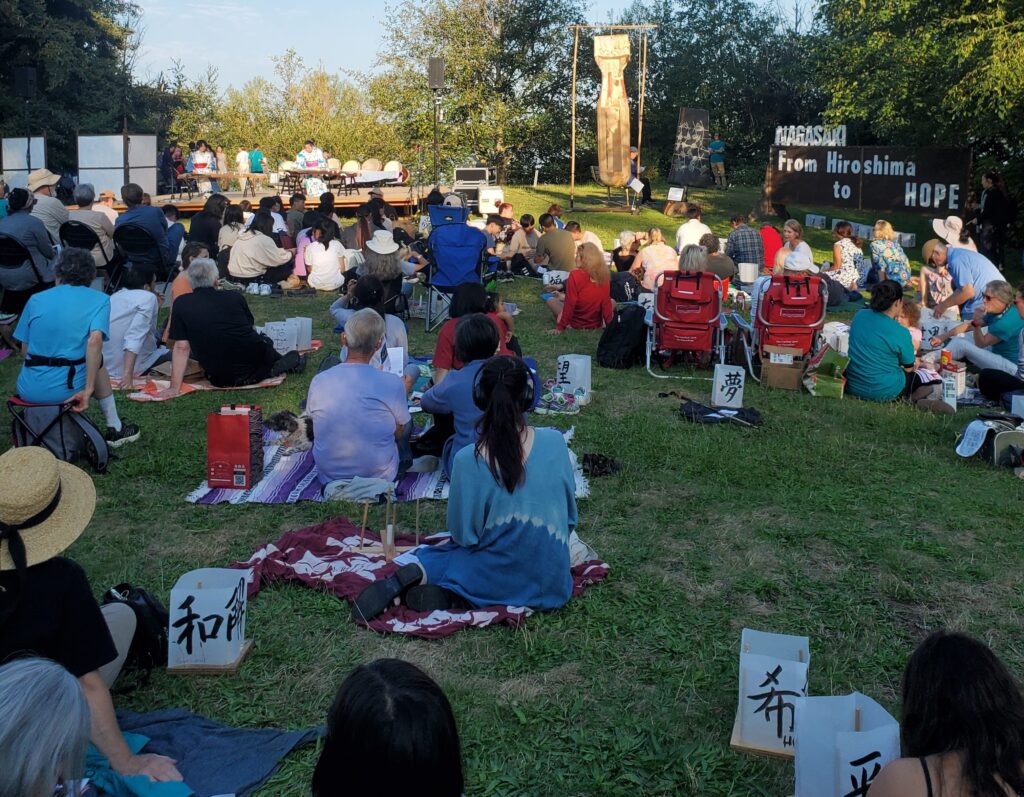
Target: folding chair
point(136, 245)
point(687, 317)
point(790, 313)
point(82, 236)
point(456, 256)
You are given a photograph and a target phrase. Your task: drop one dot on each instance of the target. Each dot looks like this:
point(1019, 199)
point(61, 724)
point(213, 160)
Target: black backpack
point(625, 287)
point(69, 436)
point(149, 645)
point(622, 342)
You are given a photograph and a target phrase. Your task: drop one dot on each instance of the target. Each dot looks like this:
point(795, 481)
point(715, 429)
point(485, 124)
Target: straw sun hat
point(45, 502)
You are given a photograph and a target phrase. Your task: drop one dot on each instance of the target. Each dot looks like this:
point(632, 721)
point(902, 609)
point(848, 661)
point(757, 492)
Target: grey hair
point(85, 194)
point(44, 729)
point(1001, 290)
point(626, 238)
point(75, 267)
point(202, 273)
point(383, 267)
point(693, 258)
point(363, 330)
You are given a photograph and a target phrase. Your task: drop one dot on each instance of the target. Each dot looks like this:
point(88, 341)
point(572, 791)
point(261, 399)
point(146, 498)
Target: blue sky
point(239, 36)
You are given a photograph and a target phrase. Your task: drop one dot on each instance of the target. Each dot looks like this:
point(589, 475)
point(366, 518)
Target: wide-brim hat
point(383, 243)
point(377, 192)
point(949, 228)
point(107, 194)
point(40, 178)
point(47, 502)
point(795, 261)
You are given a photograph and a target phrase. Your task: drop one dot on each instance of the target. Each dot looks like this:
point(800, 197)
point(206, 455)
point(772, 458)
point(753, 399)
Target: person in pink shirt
point(587, 303)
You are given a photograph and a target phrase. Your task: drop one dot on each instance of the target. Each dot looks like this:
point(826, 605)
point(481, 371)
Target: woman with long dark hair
point(390, 730)
point(255, 257)
point(511, 513)
point(963, 724)
point(205, 225)
point(324, 258)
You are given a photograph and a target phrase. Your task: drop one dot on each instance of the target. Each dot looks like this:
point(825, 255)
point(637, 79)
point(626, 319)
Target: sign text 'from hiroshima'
point(933, 180)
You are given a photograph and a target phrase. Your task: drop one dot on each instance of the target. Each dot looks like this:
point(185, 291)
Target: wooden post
point(572, 167)
point(362, 528)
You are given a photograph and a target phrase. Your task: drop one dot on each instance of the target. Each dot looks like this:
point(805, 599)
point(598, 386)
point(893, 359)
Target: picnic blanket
point(293, 478)
point(151, 391)
point(327, 556)
point(201, 748)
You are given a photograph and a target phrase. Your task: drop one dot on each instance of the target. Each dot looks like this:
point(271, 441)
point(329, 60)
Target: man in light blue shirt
point(361, 420)
point(970, 271)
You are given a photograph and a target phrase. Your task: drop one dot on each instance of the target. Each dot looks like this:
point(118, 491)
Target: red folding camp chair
point(790, 313)
point(687, 318)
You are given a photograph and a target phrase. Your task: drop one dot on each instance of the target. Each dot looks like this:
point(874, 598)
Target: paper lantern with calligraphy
point(773, 674)
point(842, 743)
point(207, 621)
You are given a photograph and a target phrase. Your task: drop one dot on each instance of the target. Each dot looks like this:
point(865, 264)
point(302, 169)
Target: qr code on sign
point(240, 479)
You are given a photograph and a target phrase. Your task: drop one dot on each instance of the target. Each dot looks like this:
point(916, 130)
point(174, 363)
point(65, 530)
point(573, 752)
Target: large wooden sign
point(690, 157)
point(933, 180)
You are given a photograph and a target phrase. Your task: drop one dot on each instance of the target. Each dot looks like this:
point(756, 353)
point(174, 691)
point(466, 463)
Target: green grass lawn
point(852, 523)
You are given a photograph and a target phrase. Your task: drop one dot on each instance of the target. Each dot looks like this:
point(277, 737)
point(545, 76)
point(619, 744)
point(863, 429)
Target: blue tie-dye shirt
point(509, 548)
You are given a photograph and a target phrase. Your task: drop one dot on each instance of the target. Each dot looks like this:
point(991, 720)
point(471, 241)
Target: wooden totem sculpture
point(612, 55)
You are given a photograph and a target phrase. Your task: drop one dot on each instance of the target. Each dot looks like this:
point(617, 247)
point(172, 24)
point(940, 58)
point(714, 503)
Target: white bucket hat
point(382, 242)
point(948, 229)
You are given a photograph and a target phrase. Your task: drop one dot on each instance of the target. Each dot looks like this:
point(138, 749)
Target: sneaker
point(253, 289)
point(128, 433)
point(290, 363)
point(524, 271)
point(557, 403)
point(8, 318)
point(266, 290)
point(231, 286)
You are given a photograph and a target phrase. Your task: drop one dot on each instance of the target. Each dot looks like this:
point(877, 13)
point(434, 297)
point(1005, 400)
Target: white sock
point(110, 412)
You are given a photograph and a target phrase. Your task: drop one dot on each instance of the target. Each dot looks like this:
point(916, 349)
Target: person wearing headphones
point(511, 514)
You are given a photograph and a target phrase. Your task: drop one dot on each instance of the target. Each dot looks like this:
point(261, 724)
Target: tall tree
point(508, 69)
point(82, 50)
point(733, 58)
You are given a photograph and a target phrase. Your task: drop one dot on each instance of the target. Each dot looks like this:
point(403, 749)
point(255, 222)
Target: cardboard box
point(782, 367)
point(824, 375)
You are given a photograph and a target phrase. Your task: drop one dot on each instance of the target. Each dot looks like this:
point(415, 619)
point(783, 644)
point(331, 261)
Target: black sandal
point(379, 595)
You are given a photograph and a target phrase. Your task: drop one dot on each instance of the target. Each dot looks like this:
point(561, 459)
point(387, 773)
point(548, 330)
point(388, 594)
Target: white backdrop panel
point(113, 179)
point(100, 152)
point(142, 152)
point(14, 159)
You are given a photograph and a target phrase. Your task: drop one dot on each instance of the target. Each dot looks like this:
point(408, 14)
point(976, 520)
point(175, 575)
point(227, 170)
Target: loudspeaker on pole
point(435, 74)
point(25, 82)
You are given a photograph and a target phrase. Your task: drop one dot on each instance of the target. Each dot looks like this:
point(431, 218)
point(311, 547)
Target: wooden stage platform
point(403, 198)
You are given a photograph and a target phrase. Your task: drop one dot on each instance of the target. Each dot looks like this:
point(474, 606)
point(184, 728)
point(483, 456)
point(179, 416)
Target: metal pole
point(124, 145)
point(28, 138)
point(572, 169)
point(437, 105)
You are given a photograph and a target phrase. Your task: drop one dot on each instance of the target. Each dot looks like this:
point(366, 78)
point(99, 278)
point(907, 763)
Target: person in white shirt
point(47, 208)
point(203, 160)
point(325, 257)
point(242, 166)
point(132, 349)
point(656, 257)
point(690, 232)
point(105, 205)
point(583, 237)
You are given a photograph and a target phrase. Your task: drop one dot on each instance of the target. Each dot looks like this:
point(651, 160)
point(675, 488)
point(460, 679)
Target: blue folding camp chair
point(456, 257)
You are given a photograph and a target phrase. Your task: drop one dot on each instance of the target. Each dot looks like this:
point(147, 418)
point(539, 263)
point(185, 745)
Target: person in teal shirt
point(991, 338)
point(882, 360)
point(716, 150)
point(257, 160)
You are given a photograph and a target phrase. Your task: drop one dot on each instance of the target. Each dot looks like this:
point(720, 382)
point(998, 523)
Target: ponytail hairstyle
point(504, 391)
